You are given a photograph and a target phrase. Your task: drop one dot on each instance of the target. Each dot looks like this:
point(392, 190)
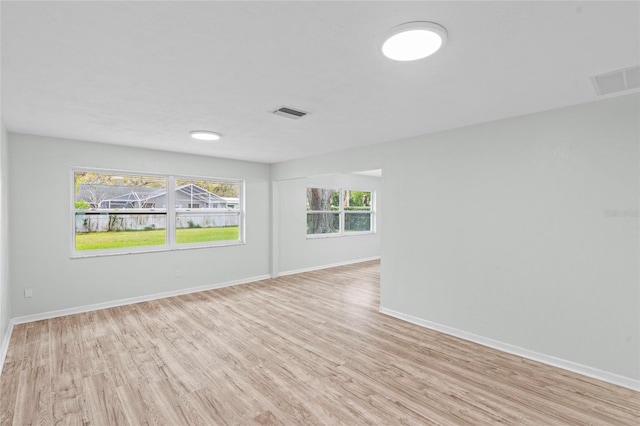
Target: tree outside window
point(339, 212)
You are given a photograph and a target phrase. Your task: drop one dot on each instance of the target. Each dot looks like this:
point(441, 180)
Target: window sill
point(96, 253)
point(338, 235)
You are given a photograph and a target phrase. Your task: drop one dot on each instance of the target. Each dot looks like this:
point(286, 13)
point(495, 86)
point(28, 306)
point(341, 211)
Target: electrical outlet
point(28, 292)
point(176, 273)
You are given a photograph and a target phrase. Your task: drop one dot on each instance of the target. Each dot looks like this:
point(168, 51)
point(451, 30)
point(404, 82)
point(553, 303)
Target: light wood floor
point(302, 349)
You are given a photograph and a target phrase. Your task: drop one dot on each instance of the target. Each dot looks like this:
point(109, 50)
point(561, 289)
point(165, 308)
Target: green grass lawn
point(200, 235)
point(119, 239)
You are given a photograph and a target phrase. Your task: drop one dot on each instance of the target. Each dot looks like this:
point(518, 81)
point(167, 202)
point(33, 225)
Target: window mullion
point(342, 217)
point(171, 211)
point(373, 219)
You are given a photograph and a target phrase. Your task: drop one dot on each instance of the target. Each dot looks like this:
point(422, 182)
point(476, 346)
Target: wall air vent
point(617, 81)
point(290, 112)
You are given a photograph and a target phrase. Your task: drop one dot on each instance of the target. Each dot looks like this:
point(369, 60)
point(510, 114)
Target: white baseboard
point(132, 300)
point(5, 346)
point(585, 370)
point(332, 265)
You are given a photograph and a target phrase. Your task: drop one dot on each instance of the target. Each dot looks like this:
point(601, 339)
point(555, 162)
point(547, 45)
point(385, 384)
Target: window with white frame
point(123, 212)
point(334, 212)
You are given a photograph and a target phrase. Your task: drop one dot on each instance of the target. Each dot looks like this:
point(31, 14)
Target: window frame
point(171, 213)
point(342, 212)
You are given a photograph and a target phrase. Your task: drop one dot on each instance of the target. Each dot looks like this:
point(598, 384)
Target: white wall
point(295, 251)
point(40, 252)
point(5, 293)
point(502, 230)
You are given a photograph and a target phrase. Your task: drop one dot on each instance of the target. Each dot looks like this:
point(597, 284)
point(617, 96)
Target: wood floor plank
point(33, 403)
point(305, 349)
point(11, 372)
point(100, 400)
point(66, 377)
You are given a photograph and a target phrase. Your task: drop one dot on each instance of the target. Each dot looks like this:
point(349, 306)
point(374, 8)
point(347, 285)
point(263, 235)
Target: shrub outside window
point(336, 212)
point(124, 212)
point(357, 211)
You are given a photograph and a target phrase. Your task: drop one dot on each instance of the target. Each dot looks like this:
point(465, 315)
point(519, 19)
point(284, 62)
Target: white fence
point(206, 220)
point(121, 221)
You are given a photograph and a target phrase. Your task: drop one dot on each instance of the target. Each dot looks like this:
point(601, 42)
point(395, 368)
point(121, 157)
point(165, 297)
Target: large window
point(334, 212)
point(123, 212)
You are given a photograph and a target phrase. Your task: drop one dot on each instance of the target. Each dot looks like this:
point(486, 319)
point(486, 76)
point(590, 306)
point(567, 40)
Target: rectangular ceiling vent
point(617, 81)
point(290, 112)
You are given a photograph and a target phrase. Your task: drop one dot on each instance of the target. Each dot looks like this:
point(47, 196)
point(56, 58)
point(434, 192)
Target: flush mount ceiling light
point(413, 41)
point(205, 135)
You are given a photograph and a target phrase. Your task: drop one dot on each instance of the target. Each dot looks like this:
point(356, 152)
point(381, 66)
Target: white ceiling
point(146, 73)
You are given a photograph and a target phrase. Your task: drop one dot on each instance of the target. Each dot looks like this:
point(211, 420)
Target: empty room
point(319, 212)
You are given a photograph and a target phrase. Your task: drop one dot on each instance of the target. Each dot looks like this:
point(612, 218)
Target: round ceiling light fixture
point(205, 135)
point(413, 41)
